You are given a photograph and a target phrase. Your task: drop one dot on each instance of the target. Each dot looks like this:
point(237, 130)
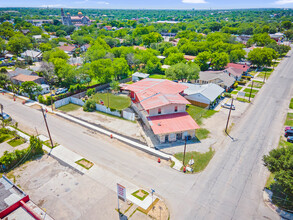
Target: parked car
point(61, 91)
point(289, 133)
point(227, 105)
point(247, 74)
point(288, 128)
point(5, 116)
point(290, 139)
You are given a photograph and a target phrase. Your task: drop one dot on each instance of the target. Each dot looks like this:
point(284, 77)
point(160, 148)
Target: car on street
point(288, 128)
point(247, 74)
point(61, 91)
point(290, 139)
point(5, 116)
point(227, 105)
point(289, 133)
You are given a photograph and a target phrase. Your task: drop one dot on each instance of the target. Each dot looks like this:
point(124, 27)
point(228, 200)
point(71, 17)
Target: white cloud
point(194, 1)
point(283, 2)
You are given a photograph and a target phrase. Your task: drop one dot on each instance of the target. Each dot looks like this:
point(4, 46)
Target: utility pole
point(229, 116)
point(108, 98)
point(265, 76)
point(47, 130)
point(184, 151)
point(51, 99)
point(1, 106)
point(251, 90)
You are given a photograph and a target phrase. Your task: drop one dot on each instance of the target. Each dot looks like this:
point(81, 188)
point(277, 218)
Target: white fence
point(68, 100)
point(127, 115)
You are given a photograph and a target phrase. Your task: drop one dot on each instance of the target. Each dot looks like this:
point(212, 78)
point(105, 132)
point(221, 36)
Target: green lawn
point(116, 101)
point(263, 74)
point(253, 91)
point(284, 143)
point(201, 160)
point(239, 88)
point(69, 107)
point(198, 113)
point(145, 194)
point(247, 95)
point(289, 119)
point(16, 142)
point(157, 76)
point(270, 181)
point(256, 84)
point(242, 99)
point(234, 92)
point(202, 133)
point(5, 137)
point(291, 104)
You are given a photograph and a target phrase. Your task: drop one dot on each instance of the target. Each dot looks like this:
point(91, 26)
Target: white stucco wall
point(167, 109)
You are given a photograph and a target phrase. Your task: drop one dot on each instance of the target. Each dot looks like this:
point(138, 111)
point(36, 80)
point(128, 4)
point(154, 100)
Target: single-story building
point(234, 72)
point(36, 56)
point(19, 71)
point(69, 49)
point(202, 95)
point(139, 76)
point(45, 89)
point(189, 57)
point(218, 77)
point(19, 79)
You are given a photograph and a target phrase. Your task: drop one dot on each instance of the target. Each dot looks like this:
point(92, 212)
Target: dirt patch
point(140, 193)
point(159, 211)
point(85, 163)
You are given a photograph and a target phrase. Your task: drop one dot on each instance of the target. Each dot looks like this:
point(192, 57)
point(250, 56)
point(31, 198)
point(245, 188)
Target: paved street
point(229, 188)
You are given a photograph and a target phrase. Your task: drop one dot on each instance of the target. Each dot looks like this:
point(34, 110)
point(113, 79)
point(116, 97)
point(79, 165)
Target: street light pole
point(48, 130)
point(229, 116)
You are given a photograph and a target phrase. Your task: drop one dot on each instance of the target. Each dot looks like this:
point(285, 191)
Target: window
point(176, 109)
point(159, 111)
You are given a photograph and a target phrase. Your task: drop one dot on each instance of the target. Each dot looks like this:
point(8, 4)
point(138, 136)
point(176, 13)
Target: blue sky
point(150, 4)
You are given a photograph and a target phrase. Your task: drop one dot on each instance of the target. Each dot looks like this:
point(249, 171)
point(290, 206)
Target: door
point(166, 138)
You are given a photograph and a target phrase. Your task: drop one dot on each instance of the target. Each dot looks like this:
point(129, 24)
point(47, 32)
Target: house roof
point(68, 48)
point(243, 67)
point(139, 47)
point(172, 123)
point(18, 71)
point(32, 53)
point(211, 91)
point(25, 78)
point(214, 75)
point(154, 93)
point(189, 57)
point(234, 71)
point(141, 75)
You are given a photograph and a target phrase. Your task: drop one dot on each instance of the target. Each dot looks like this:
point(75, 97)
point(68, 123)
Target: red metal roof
point(67, 48)
point(153, 93)
point(172, 123)
point(243, 67)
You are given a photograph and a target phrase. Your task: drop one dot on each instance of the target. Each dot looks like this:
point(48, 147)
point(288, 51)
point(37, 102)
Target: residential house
point(162, 108)
point(139, 76)
point(21, 78)
point(236, 73)
point(139, 47)
point(69, 49)
point(202, 95)
point(189, 57)
point(220, 78)
point(85, 47)
point(278, 37)
point(19, 71)
point(35, 56)
point(244, 67)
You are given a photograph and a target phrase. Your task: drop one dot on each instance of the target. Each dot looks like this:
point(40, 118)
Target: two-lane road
point(229, 188)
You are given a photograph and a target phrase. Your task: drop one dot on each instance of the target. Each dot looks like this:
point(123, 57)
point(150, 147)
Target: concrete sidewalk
point(96, 172)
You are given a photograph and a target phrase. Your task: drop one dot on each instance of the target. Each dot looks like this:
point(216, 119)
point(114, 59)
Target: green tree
point(286, 24)
point(202, 60)
point(280, 162)
point(237, 55)
point(174, 58)
point(61, 33)
point(3, 80)
point(19, 43)
point(182, 71)
point(152, 37)
point(262, 56)
point(115, 85)
point(219, 60)
point(30, 88)
point(2, 46)
point(45, 47)
point(121, 67)
point(289, 34)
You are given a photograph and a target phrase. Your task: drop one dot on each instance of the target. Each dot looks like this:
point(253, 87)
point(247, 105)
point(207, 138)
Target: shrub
point(235, 85)
point(17, 157)
point(89, 106)
point(41, 99)
point(227, 94)
point(242, 82)
point(90, 92)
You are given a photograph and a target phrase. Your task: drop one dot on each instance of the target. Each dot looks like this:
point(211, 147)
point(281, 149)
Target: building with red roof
point(162, 108)
point(243, 67)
